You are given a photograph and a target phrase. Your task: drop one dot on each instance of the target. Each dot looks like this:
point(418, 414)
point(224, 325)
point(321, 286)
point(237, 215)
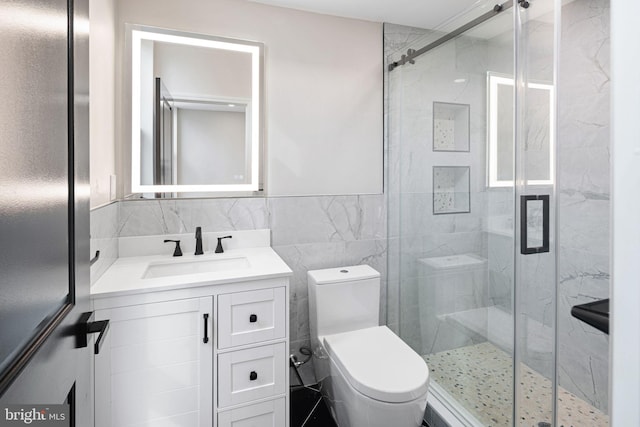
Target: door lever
point(87, 326)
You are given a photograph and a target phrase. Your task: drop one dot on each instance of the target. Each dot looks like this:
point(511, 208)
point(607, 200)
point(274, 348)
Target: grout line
point(308, 387)
point(311, 413)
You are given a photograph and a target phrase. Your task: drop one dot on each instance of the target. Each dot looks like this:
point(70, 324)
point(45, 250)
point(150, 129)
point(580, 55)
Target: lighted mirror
point(196, 119)
point(539, 130)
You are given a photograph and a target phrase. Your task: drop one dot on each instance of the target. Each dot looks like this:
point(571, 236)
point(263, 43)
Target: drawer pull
point(253, 376)
point(205, 339)
point(253, 318)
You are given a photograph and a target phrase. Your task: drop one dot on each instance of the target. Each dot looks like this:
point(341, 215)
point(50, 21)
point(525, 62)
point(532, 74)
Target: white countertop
point(124, 277)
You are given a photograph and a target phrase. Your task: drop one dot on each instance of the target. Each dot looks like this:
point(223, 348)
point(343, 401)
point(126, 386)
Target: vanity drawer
point(254, 373)
point(265, 414)
point(251, 317)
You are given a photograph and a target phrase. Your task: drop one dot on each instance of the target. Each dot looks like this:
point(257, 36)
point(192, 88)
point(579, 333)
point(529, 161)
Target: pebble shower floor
point(479, 377)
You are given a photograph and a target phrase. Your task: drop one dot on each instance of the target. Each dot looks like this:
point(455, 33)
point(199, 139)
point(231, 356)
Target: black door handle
point(253, 318)
point(525, 249)
point(86, 327)
point(253, 376)
point(205, 339)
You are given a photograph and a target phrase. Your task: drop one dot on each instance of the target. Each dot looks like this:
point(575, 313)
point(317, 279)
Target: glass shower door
point(471, 151)
point(451, 221)
point(535, 252)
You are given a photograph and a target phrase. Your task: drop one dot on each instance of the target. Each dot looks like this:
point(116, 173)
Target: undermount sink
point(178, 268)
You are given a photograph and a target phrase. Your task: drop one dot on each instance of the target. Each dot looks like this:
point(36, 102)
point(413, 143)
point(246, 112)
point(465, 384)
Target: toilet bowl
point(369, 377)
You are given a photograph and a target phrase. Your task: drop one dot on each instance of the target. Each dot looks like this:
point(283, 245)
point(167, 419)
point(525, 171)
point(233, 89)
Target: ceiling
point(416, 13)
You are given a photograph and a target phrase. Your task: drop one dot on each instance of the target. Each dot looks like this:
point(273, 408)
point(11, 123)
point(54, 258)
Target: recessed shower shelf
point(450, 126)
point(451, 190)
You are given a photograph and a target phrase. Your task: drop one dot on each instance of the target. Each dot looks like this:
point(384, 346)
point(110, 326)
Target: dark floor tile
point(302, 401)
point(321, 417)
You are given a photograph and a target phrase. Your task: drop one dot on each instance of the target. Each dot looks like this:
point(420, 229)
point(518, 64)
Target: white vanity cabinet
point(251, 355)
point(154, 367)
point(202, 356)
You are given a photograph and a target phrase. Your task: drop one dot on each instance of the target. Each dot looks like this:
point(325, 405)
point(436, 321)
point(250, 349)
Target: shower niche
point(450, 127)
point(451, 190)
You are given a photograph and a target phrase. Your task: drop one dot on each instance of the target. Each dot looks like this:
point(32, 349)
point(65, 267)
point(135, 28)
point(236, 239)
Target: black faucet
point(177, 251)
point(199, 241)
point(219, 249)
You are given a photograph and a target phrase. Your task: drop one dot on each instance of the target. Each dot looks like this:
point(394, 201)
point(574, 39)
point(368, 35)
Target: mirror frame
point(137, 33)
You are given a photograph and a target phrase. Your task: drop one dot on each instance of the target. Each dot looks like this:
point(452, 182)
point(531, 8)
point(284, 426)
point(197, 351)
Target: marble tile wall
point(415, 233)
point(583, 195)
point(535, 274)
point(320, 232)
point(307, 232)
point(104, 238)
point(535, 289)
point(396, 40)
point(582, 259)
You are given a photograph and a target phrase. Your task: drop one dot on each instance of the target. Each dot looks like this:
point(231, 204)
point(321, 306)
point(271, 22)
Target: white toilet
point(369, 376)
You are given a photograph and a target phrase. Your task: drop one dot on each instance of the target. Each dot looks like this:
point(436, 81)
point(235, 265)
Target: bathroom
point(413, 145)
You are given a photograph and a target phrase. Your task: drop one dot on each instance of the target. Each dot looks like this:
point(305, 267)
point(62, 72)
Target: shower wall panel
point(583, 195)
point(422, 302)
point(453, 73)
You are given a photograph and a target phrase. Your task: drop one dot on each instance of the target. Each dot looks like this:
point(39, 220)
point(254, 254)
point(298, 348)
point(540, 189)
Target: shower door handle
point(525, 249)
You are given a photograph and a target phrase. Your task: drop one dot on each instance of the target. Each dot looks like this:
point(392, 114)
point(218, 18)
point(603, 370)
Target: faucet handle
point(199, 250)
point(219, 248)
point(177, 251)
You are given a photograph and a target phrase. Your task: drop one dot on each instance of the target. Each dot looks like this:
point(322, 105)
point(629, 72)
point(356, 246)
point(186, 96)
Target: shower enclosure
point(498, 193)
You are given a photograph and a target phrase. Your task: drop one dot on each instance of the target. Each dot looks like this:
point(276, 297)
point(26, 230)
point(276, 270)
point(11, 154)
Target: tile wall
point(307, 232)
point(584, 196)
point(582, 190)
point(329, 231)
point(104, 238)
point(453, 74)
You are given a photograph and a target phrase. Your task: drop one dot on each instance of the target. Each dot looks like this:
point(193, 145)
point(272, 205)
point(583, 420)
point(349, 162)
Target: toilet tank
point(343, 299)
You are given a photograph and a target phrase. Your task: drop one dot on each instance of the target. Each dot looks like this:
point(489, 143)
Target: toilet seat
point(378, 364)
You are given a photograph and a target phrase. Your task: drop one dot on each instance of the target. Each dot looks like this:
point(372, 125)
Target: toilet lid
point(379, 364)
